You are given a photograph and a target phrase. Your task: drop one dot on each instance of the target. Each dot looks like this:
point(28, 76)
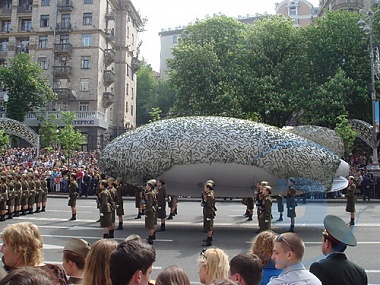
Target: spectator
point(22, 246)
point(27, 275)
point(246, 269)
point(262, 246)
point(213, 264)
point(288, 251)
point(74, 259)
point(97, 268)
point(336, 269)
point(172, 275)
point(139, 256)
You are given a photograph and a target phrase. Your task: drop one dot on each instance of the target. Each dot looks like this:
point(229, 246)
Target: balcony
point(83, 119)
point(22, 49)
point(135, 64)
point(63, 94)
point(108, 99)
point(63, 27)
point(4, 12)
point(24, 10)
point(110, 34)
point(110, 15)
point(65, 5)
point(109, 77)
point(63, 49)
point(62, 71)
point(109, 56)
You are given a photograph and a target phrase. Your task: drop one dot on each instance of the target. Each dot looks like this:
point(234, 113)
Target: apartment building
point(302, 12)
point(88, 49)
point(349, 5)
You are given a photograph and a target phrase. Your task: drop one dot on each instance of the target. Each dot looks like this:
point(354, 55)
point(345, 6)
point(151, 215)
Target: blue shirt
point(296, 275)
point(269, 271)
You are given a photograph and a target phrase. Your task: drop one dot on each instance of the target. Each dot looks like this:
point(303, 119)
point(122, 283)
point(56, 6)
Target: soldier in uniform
point(336, 268)
point(11, 196)
point(119, 202)
point(208, 202)
point(105, 201)
point(44, 188)
point(3, 198)
point(139, 203)
point(18, 192)
point(32, 193)
point(291, 203)
point(258, 199)
point(250, 204)
point(265, 218)
point(161, 204)
point(113, 194)
point(150, 209)
point(37, 186)
point(280, 207)
point(73, 194)
point(24, 194)
point(172, 203)
point(351, 199)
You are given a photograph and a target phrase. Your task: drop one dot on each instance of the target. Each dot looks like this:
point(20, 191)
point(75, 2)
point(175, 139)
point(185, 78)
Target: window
point(127, 32)
point(6, 26)
point(26, 25)
point(127, 89)
point(62, 106)
point(292, 11)
point(87, 19)
point(63, 61)
point(64, 39)
point(4, 45)
point(43, 42)
point(66, 21)
point(86, 40)
point(131, 110)
point(85, 62)
point(84, 106)
point(44, 21)
point(126, 107)
point(84, 84)
point(87, 1)
point(132, 93)
point(45, 3)
point(296, 21)
point(42, 61)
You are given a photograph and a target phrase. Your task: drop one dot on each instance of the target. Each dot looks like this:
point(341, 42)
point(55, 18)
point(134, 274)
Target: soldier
point(113, 194)
point(3, 198)
point(351, 199)
point(32, 193)
point(291, 203)
point(150, 209)
point(24, 194)
point(38, 198)
point(139, 203)
point(280, 207)
point(73, 194)
point(250, 203)
point(18, 193)
point(258, 199)
point(161, 204)
point(11, 196)
point(105, 201)
point(208, 202)
point(265, 218)
point(44, 188)
point(119, 202)
point(172, 203)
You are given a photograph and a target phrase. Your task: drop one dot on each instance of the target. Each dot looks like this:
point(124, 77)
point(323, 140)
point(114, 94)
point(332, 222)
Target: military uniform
point(119, 201)
point(11, 196)
point(44, 188)
point(265, 218)
point(105, 208)
point(150, 209)
point(38, 198)
point(291, 203)
point(73, 193)
point(3, 198)
point(32, 193)
point(24, 194)
point(351, 199)
point(208, 211)
point(17, 193)
point(161, 202)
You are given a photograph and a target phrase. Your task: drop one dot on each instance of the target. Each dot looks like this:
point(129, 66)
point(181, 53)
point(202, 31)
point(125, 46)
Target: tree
point(49, 132)
point(69, 139)
point(144, 93)
point(4, 140)
point(26, 87)
point(348, 135)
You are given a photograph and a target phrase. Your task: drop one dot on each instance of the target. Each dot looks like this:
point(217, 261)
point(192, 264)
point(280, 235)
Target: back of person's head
point(27, 275)
point(262, 246)
point(97, 270)
point(76, 250)
point(216, 261)
point(172, 275)
point(293, 242)
point(24, 239)
point(137, 254)
point(223, 281)
point(248, 266)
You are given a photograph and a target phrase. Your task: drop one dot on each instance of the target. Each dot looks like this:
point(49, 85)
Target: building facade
point(88, 50)
point(302, 12)
point(349, 5)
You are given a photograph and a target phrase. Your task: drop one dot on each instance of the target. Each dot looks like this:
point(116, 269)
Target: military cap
point(210, 183)
point(338, 230)
point(152, 182)
point(78, 246)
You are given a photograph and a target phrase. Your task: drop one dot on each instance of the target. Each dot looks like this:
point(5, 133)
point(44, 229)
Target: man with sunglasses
point(336, 269)
point(288, 251)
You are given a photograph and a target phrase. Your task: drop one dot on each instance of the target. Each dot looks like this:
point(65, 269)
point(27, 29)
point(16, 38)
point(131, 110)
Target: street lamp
point(366, 24)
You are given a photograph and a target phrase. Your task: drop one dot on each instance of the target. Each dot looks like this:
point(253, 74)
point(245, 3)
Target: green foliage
point(26, 87)
point(4, 140)
point(69, 139)
point(49, 131)
point(348, 135)
point(155, 114)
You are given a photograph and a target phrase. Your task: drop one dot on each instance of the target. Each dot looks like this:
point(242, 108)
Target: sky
point(166, 14)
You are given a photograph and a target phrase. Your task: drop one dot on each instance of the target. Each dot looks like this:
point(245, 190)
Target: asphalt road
point(181, 243)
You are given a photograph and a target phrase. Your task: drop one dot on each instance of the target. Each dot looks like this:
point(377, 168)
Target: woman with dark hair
point(27, 275)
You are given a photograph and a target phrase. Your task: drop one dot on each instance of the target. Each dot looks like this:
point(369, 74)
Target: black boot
point(111, 234)
point(138, 216)
point(105, 235)
point(2, 218)
point(17, 214)
point(162, 228)
point(143, 212)
point(246, 214)
point(120, 227)
point(175, 212)
point(30, 211)
point(291, 229)
point(170, 217)
point(150, 239)
point(43, 209)
point(37, 210)
point(204, 240)
point(23, 213)
point(249, 217)
point(73, 217)
point(154, 235)
point(208, 242)
point(351, 223)
point(280, 219)
point(10, 216)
